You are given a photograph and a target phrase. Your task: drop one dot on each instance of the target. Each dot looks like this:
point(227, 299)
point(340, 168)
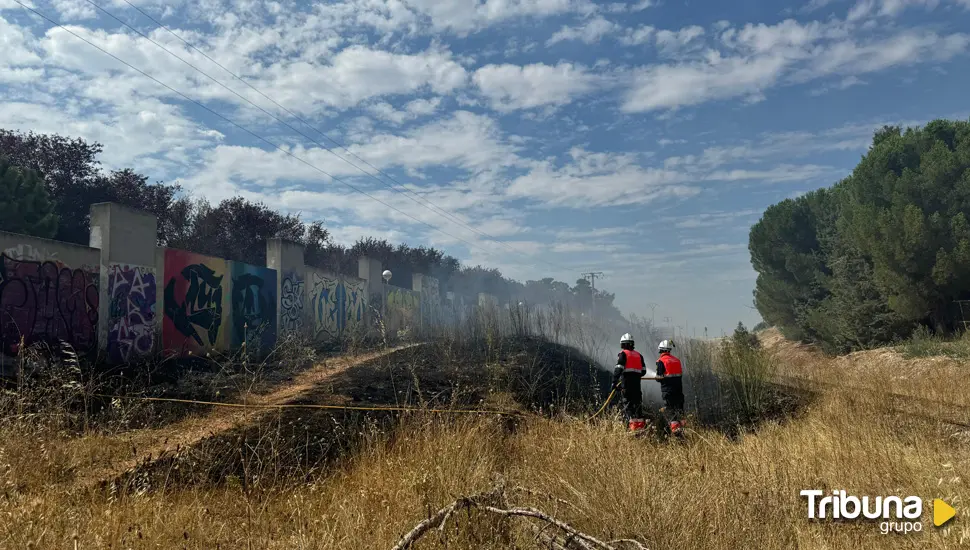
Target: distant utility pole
point(653, 314)
point(592, 295)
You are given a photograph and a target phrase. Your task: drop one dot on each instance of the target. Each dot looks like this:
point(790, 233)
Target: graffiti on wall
point(32, 253)
point(253, 306)
point(193, 302)
point(46, 301)
point(335, 304)
point(403, 308)
point(131, 311)
point(355, 292)
point(292, 297)
point(327, 305)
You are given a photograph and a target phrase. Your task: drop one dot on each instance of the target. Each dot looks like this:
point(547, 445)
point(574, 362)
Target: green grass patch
point(925, 344)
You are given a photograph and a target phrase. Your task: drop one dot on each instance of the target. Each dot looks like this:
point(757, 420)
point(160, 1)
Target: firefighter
point(669, 373)
point(630, 367)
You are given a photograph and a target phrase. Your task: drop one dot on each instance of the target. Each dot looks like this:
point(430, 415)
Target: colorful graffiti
point(46, 301)
point(292, 297)
point(193, 302)
point(327, 305)
point(355, 292)
point(335, 304)
point(403, 308)
point(253, 306)
point(131, 311)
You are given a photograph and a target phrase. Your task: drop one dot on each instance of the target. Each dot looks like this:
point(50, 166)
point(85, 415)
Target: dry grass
point(710, 492)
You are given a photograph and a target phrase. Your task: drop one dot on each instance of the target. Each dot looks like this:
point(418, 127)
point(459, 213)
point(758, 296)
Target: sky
point(545, 138)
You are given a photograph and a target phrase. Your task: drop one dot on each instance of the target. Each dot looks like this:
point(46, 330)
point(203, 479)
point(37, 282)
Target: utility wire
point(241, 127)
point(433, 207)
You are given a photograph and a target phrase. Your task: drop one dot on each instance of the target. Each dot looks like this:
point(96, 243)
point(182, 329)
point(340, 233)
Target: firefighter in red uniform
point(669, 372)
point(630, 367)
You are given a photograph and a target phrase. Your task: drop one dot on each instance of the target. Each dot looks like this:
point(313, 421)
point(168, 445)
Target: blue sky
point(641, 139)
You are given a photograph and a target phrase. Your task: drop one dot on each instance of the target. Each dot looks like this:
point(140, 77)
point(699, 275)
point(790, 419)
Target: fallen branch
point(572, 535)
point(434, 521)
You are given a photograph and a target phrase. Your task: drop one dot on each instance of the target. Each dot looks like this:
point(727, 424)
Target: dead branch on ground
point(566, 537)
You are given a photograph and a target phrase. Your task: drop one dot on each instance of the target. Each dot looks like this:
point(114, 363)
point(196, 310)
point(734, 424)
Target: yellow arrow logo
point(942, 512)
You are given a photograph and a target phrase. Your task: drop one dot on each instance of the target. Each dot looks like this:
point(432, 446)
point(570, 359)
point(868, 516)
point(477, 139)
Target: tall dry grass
point(712, 492)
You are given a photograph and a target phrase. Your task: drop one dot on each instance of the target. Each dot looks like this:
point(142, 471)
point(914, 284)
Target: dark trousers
point(632, 395)
point(672, 391)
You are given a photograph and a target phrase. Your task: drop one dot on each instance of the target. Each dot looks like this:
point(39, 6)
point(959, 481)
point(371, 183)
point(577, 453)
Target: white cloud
point(905, 48)
point(756, 58)
point(598, 179)
point(888, 8)
point(17, 46)
point(590, 32)
point(637, 36)
point(671, 86)
point(358, 73)
point(777, 174)
point(512, 87)
point(674, 42)
point(464, 16)
point(74, 10)
point(815, 5)
point(353, 75)
point(412, 110)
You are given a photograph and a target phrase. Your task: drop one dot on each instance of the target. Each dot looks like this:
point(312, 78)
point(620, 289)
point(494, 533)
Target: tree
point(908, 213)
point(743, 340)
point(74, 181)
point(238, 229)
point(884, 250)
point(24, 204)
point(788, 250)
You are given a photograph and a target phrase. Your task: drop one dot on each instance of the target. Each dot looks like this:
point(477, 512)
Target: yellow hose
point(605, 403)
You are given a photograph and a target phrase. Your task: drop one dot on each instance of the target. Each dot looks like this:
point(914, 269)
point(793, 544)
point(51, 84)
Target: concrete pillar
point(370, 271)
point(286, 257)
point(129, 311)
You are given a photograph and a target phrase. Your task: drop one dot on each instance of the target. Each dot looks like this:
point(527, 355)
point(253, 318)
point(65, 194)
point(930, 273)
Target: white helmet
point(666, 345)
point(626, 339)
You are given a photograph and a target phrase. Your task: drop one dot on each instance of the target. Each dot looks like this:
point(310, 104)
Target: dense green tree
point(908, 212)
point(24, 204)
point(884, 250)
point(787, 249)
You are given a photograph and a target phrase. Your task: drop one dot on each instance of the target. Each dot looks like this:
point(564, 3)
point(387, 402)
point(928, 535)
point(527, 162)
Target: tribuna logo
point(840, 505)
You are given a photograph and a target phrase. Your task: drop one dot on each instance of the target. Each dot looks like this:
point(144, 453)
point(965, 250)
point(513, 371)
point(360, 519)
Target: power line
point(243, 128)
point(592, 275)
point(404, 191)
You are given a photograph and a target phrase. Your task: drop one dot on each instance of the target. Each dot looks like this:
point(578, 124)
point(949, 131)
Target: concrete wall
point(49, 291)
point(336, 304)
point(127, 298)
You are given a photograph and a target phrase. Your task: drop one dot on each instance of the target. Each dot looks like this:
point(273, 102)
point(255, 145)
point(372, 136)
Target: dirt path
point(151, 444)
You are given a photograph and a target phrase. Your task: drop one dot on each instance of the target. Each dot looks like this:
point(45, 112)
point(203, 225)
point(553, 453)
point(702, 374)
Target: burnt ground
point(524, 374)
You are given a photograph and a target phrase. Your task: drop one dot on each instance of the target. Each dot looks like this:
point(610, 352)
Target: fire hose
point(613, 392)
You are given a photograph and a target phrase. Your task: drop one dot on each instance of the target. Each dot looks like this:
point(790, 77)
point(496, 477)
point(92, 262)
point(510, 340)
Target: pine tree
point(24, 204)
